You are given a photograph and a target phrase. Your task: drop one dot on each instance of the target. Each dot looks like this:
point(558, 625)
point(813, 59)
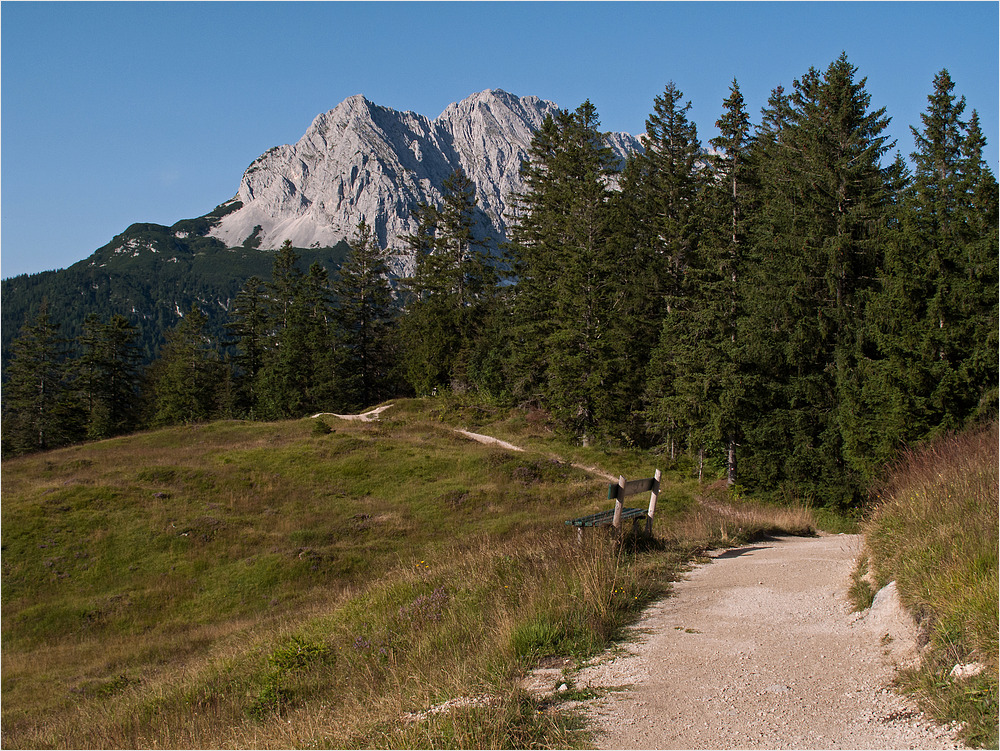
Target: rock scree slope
point(759, 649)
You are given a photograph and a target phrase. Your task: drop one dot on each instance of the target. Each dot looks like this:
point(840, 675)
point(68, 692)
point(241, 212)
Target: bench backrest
point(631, 488)
point(619, 490)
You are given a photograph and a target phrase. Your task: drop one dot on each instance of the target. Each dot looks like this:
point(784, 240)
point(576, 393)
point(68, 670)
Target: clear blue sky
point(114, 113)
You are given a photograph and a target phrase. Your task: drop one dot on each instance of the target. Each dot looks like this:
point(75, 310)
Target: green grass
point(275, 585)
point(934, 532)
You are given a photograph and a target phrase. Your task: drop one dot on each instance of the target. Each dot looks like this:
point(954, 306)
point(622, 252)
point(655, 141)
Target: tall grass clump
point(934, 531)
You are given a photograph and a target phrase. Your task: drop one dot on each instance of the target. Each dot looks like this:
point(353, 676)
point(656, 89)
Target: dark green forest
point(786, 306)
point(148, 274)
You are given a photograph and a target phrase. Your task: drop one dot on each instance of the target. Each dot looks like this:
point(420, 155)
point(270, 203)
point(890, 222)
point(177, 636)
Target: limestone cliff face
point(362, 161)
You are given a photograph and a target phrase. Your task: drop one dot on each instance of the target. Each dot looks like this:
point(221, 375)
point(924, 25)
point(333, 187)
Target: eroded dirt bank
point(759, 649)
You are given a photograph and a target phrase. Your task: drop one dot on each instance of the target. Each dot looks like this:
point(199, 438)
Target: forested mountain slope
point(151, 274)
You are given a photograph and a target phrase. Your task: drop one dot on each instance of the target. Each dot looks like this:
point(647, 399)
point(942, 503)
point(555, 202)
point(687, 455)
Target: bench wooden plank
point(631, 487)
point(605, 517)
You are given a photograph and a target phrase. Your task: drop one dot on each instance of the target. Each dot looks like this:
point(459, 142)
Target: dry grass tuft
point(933, 530)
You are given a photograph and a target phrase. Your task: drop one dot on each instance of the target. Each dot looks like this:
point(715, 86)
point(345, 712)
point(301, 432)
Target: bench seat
point(605, 518)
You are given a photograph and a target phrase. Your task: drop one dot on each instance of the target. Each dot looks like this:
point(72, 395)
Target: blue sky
point(114, 113)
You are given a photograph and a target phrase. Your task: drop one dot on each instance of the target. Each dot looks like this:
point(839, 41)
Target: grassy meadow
point(934, 530)
point(287, 585)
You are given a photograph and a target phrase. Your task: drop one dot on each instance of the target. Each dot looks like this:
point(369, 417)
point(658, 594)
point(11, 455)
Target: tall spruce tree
point(982, 296)
point(296, 372)
point(107, 374)
point(453, 283)
point(727, 205)
point(366, 316)
point(40, 409)
point(248, 324)
point(934, 321)
point(638, 312)
point(825, 203)
point(569, 285)
point(534, 248)
point(185, 376)
point(770, 221)
point(322, 390)
point(677, 375)
point(671, 187)
point(285, 372)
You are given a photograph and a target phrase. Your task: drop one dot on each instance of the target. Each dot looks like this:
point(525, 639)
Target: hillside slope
point(284, 585)
point(152, 275)
point(933, 531)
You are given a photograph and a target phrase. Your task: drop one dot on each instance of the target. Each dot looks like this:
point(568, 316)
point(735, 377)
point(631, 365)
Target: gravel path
point(758, 649)
point(368, 416)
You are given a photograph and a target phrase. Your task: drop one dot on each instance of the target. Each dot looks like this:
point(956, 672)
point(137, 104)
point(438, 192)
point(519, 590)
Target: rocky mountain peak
point(363, 161)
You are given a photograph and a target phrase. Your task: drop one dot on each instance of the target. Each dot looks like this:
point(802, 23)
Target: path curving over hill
point(373, 414)
point(369, 416)
point(759, 649)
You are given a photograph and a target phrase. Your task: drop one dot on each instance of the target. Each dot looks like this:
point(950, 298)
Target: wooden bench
point(618, 492)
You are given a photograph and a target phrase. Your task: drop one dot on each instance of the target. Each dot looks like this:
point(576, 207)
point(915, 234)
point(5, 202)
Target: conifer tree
point(285, 286)
point(296, 374)
point(727, 203)
point(676, 390)
point(450, 291)
point(934, 320)
point(566, 344)
point(671, 187)
point(981, 259)
point(184, 377)
point(638, 312)
point(534, 247)
point(319, 346)
point(248, 323)
point(825, 202)
point(107, 374)
point(40, 410)
point(761, 339)
point(282, 376)
point(365, 317)
point(491, 350)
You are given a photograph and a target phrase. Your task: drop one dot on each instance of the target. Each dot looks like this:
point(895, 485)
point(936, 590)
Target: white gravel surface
point(368, 416)
point(759, 649)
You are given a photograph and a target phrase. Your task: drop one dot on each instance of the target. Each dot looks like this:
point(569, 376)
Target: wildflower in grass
point(425, 608)
point(361, 644)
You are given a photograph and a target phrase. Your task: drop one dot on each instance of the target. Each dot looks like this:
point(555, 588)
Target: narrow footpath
point(759, 649)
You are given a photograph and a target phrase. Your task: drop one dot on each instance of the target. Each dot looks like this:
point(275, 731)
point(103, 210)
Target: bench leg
point(579, 535)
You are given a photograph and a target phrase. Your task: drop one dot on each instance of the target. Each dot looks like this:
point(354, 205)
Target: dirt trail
point(758, 649)
point(489, 440)
point(369, 416)
point(373, 414)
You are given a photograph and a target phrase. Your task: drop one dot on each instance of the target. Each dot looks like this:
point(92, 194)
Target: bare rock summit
point(362, 161)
